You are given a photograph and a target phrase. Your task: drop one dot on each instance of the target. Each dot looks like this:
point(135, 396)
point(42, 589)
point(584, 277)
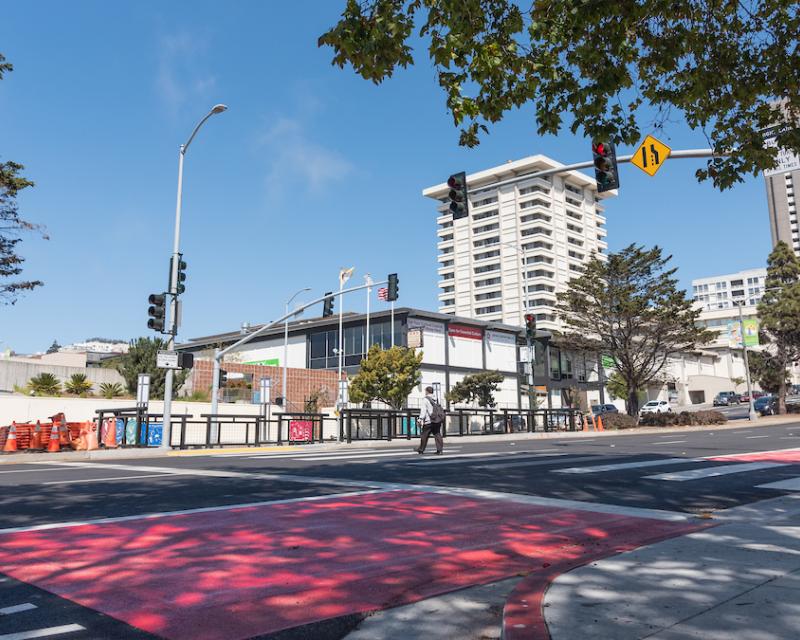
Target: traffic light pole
point(219, 354)
point(531, 359)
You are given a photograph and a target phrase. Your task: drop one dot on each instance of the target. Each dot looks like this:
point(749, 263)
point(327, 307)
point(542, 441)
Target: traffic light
point(157, 311)
point(605, 166)
point(459, 204)
point(223, 378)
point(327, 305)
point(179, 286)
point(530, 326)
point(393, 288)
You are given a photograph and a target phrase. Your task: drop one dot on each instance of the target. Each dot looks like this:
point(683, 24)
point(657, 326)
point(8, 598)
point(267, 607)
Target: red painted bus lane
point(239, 572)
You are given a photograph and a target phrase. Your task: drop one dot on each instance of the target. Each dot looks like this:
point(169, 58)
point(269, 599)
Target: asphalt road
point(669, 472)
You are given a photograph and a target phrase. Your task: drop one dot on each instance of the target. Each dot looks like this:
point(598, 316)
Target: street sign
point(167, 360)
point(650, 155)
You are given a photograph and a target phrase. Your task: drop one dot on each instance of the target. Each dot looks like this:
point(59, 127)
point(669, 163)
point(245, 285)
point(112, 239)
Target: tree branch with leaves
point(387, 375)
point(612, 70)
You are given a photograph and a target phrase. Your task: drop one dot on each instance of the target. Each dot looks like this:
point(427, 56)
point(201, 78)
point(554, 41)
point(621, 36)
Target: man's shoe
point(419, 451)
point(438, 453)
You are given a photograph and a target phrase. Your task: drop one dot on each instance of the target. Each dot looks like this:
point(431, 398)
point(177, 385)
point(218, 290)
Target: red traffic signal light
point(605, 166)
point(530, 326)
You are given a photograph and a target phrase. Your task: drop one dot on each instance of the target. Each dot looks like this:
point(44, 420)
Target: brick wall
point(301, 383)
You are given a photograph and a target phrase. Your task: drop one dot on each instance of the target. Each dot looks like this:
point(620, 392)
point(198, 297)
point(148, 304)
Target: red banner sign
point(301, 430)
point(463, 331)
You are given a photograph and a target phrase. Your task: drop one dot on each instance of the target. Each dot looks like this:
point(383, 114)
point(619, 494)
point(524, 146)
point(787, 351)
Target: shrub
point(618, 421)
point(45, 384)
point(682, 419)
point(78, 384)
point(708, 417)
point(657, 419)
point(110, 390)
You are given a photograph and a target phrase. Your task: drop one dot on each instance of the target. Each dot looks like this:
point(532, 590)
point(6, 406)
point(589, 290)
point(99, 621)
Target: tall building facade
point(782, 191)
point(522, 242)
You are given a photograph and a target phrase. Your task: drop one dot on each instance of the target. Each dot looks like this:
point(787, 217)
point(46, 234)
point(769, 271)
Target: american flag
point(383, 294)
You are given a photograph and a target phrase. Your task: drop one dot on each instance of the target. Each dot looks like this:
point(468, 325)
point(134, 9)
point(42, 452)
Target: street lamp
point(752, 412)
point(286, 343)
point(173, 279)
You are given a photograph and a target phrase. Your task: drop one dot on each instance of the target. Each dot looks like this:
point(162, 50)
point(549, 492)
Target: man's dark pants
point(427, 430)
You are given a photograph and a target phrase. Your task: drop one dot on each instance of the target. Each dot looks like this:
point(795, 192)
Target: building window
point(487, 283)
point(445, 250)
point(536, 202)
point(536, 188)
point(575, 241)
point(574, 228)
point(497, 308)
point(573, 201)
point(488, 296)
point(534, 230)
point(539, 273)
point(538, 260)
point(734, 283)
point(449, 289)
point(539, 244)
point(572, 189)
point(541, 287)
point(484, 201)
point(576, 267)
point(486, 242)
point(446, 238)
point(576, 216)
point(447, 263)
point(485, 214)
point(445, 225)
point(486, 227)
point(448, 276)
point(448, 303)
point(535, 216)
point(487, 254)
point(576, 254)
point(488, 267)
point(738, 293)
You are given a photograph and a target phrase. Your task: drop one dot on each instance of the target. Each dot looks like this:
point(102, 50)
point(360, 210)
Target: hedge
point(683, 419)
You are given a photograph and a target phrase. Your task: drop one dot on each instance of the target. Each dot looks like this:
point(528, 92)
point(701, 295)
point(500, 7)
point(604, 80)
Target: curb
point(523, 613)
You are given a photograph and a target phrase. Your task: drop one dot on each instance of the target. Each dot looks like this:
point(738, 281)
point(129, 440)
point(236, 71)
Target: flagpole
point(341, 330)
point(369, 293)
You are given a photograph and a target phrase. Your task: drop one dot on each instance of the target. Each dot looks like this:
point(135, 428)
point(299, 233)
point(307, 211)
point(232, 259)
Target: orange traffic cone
point(110, 433)
point(11, 441)
point(600, 423)
point(36, 438)
point(55, 442)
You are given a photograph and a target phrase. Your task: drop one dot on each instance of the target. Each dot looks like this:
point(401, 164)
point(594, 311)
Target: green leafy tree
point(387, 375)
point(476, 387)
point(45, 384)
point(141, 358)
point(603, 67)
point(11, 225)
point(767, 370)
point(618, 388)
point(78, 384)
point(779, 314)
point(629, 307)
point(110, 390)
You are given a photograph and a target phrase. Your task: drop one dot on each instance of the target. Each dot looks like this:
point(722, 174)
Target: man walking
point(431, 417)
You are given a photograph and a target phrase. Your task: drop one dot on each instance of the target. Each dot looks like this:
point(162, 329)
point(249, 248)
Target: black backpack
point(437, 413)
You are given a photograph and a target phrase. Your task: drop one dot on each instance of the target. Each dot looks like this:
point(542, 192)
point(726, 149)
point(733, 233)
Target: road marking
point(581, 440)
point(754, 437)
point(362, 456)
point(713, 472)
point(31, 470)
point(43, 633)
point(17, 608)
point(627, 465)
point(470, 457)
point(751, 453)
point(175, 471)
point(792, 484)
point(536, 463)
point(669, 442)
point(149, 475)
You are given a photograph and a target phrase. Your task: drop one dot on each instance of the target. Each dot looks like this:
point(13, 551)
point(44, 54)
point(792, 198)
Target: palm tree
point(78, 384)
point(45, 384)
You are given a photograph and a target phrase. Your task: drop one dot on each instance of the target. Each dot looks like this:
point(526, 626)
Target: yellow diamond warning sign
point(650, 155)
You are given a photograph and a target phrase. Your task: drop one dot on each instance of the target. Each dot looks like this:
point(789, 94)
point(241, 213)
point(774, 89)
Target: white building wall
point(272, 350)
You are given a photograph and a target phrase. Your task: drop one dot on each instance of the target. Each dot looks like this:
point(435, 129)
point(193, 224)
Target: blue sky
point(311, 168)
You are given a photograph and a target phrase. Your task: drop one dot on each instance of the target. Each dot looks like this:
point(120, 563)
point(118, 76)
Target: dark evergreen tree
point(630, 308)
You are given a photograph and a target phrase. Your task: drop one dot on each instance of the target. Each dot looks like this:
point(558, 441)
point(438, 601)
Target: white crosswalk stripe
point(17, 608)
point(469, 458)
point(715, 471)
point(603, 468)
point(792, 484)
point(47, 632)
point(536, 462)
point(342, 455)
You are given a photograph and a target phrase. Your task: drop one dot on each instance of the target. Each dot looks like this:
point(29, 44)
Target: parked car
point(726, 398)
point(515, 423)
point(759, 394)
point(744, 397)
point(656, 406)
point(601, 409)
point(766, 405)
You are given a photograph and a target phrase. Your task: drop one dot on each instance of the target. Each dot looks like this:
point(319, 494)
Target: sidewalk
point(740, 579)
point(120, 454)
